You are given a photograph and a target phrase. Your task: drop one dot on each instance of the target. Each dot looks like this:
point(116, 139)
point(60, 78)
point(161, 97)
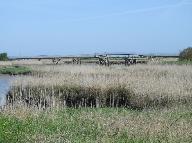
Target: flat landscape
point(95, 71)
point(93, 103)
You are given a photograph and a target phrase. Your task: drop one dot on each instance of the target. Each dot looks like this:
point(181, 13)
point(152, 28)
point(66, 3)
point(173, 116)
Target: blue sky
point(68, 27)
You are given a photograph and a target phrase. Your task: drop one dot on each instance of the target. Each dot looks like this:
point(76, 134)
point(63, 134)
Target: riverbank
point(14, 70)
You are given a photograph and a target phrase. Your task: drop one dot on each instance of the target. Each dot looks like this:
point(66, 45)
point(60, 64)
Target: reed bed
point(21, 62)
point(135, 87)
point(27, 62)
point(5, 63)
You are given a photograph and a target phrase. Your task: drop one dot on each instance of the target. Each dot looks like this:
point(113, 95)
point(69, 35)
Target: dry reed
point(87, 85)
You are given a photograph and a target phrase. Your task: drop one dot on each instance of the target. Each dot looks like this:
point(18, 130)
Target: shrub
point(186, 54)
point(3, 57)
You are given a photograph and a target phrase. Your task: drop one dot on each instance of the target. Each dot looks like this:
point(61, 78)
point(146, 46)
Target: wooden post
point(127, 61)
point(73, 60)
point(107, 61)
point(100, 61)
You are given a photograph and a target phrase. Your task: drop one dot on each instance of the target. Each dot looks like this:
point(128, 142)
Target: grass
point(73, 103)
point(14, 70)
point(96, 125)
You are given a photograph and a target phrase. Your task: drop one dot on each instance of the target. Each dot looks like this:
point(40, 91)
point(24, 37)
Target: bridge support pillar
point(76, 61)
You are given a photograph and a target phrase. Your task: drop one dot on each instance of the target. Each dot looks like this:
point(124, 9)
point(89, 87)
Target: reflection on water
point(4, 87)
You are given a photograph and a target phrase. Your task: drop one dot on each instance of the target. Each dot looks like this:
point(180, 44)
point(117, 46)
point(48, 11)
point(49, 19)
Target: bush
point(186, 54)
point(3, 57)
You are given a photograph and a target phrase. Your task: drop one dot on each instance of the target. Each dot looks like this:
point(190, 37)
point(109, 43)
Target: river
point(4, 88)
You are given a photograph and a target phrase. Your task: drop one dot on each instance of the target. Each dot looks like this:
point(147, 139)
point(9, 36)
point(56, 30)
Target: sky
point(72, 27)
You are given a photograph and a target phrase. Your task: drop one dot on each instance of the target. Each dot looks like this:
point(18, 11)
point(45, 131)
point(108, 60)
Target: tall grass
point(137, 86)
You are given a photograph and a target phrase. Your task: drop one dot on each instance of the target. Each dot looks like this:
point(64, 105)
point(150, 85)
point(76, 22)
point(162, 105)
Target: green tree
point(186, 54)
point(3, 57)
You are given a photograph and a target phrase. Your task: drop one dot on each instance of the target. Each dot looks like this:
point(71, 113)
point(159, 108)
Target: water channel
point(4, 88)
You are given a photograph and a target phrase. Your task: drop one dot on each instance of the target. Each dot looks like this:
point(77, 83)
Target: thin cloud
point(182, 3)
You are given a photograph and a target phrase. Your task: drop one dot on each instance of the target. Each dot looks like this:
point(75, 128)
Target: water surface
point(4, 87)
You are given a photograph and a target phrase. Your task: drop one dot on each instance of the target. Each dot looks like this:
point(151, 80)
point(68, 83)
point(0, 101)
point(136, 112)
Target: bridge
point(102, 59)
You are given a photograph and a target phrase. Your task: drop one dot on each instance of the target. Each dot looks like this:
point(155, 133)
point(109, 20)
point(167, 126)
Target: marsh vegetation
point(90, 103)
point(14, 70)
point(139, 87)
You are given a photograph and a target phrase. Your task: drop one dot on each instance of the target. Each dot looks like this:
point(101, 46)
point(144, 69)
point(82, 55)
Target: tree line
point(3, 57)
